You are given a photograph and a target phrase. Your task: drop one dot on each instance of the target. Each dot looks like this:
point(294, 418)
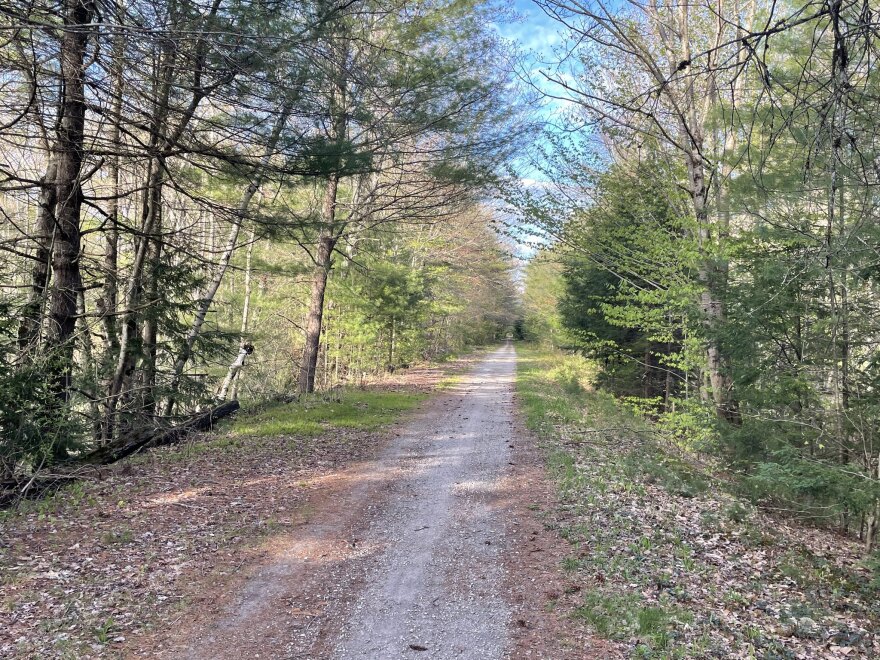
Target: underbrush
point(670, 560)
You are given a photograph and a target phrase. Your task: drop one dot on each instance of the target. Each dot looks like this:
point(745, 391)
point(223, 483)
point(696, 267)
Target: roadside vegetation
point(708, 231)
point(669, 559)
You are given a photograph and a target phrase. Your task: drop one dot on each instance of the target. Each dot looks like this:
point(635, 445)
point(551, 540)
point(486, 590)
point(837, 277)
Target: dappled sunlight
point(479, 486)
point(176, 498)
point(435, 482)
point(260, 481)
point(316, 549)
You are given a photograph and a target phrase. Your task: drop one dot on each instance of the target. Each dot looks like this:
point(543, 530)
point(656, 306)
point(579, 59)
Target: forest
point(207, 201)
point(706, 228)
point(489, 294)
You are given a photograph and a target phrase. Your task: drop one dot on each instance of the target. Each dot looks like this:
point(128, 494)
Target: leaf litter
point(119, 555)
point(671, 568)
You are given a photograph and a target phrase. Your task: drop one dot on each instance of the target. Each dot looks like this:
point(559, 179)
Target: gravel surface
point(436, 587)
point(401, 556)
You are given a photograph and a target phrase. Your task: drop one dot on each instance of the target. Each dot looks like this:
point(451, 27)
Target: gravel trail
point(437, 585)
point(402, 556)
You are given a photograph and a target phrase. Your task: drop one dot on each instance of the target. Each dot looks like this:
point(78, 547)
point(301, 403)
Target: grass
point(104, 631)
point(554, 389)
point(599, 450)
point(353, 409)
point(622, 616)
point(661, 591)
point(449, 381)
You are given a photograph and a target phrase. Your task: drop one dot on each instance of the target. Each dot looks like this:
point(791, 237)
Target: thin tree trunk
point(246, 308)
point(234, 369)
point(391, 339)
point(874, 512)
point(107, 304)
point(152, 300)
point(207, 298)
point(129, 344)
point(836, 222)
point(326, 370)
point(44, 232)
point(88, 364)
point(162, 143)
point(323, 261)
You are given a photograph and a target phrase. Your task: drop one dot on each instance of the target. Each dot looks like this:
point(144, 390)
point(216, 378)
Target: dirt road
point(405, 556)
point(437, 583)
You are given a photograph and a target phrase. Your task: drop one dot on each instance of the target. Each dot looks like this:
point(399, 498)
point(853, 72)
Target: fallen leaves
point(725, 579)
point(98, 565)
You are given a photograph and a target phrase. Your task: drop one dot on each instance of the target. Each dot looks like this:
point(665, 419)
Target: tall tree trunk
point(129, 344)
point(152, 301)
point(836, 229)
point(692, 107)
point(107, 303)
point(323, 261)
point(329, 233)
point(44, 232)
point(69, 158)
point(711, 303)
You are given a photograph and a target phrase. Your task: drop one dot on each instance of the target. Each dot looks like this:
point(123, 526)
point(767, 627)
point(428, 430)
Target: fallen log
point(158, 437)
point(12, 490)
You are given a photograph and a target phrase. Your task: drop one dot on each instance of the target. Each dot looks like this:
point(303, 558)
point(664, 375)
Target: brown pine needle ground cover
point(119, 553)
point(670, 565)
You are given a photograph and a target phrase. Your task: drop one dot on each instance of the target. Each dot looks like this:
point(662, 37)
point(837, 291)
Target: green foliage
point(314, 415)
point(798, 334)
point(576, 374)
point(620, 617)
point(810, 487)
point(626, 294)
point(36, 426)
point(544, 286)
point(407, 108)
point(552, 387)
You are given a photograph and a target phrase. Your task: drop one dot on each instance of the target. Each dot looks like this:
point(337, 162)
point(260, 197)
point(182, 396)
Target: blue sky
point(535, 31)
point(539, 39)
